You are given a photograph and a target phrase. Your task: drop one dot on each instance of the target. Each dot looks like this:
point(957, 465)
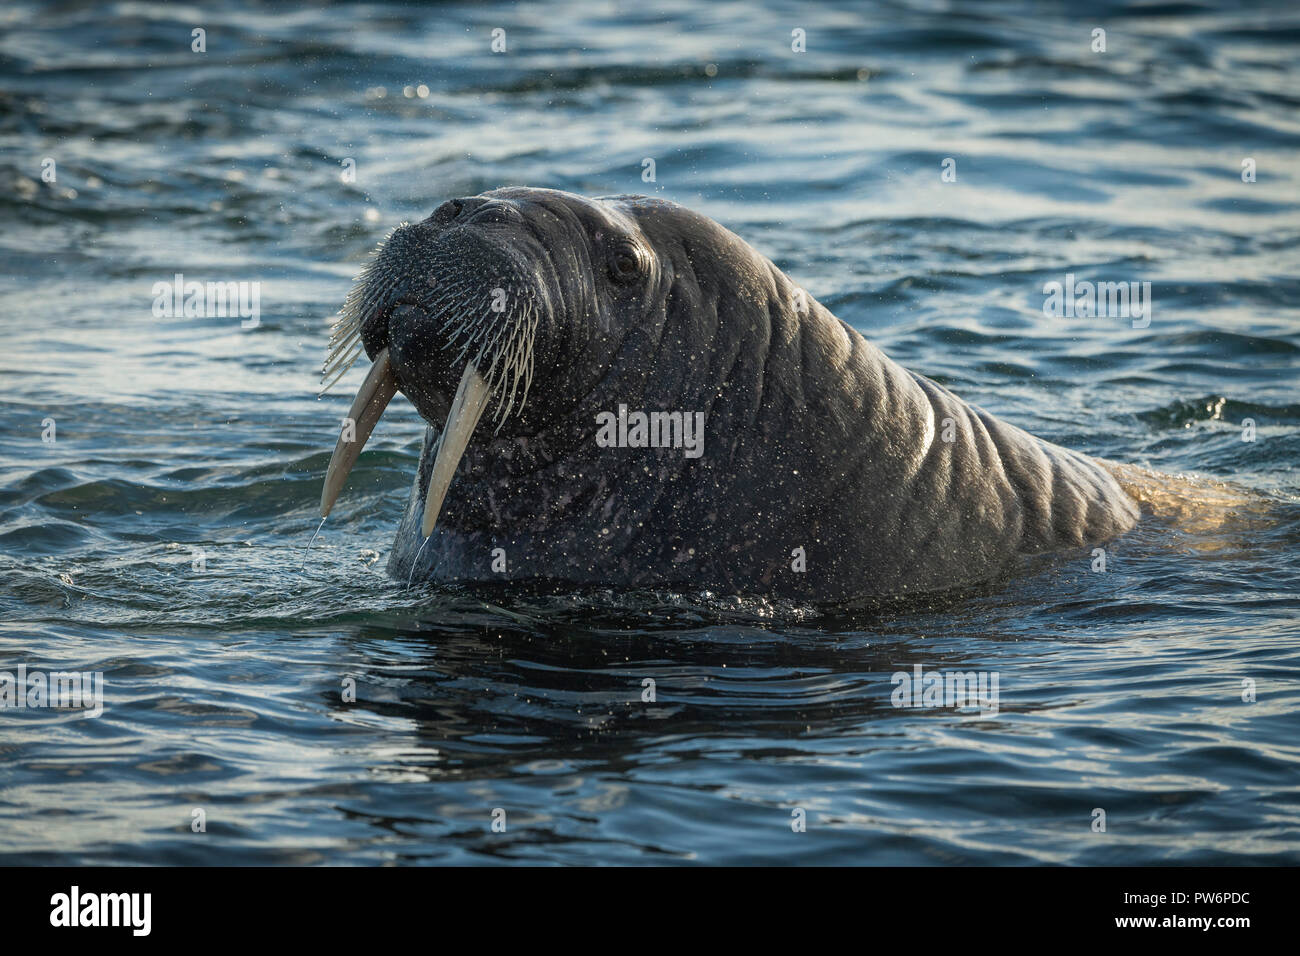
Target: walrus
point(622, 393)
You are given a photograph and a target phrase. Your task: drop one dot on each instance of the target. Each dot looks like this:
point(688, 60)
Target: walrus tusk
point(373, 397)
point(466, 409)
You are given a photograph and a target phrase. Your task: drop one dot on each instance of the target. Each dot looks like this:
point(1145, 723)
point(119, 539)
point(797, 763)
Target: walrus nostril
point(448, 211)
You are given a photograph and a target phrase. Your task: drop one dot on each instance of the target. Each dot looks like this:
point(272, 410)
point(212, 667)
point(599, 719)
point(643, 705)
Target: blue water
point(159, 539)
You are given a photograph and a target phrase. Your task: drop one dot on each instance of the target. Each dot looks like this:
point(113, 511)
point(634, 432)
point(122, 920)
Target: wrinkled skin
point(813, 438)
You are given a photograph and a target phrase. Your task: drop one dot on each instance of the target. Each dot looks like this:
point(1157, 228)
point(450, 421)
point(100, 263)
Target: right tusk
point(466, 409)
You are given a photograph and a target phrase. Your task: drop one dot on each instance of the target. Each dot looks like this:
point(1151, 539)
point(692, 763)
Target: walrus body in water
point(532, 329)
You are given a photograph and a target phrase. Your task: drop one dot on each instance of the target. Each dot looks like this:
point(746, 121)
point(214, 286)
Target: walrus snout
point(450, 318)
point(423, 373)
point(471, 285)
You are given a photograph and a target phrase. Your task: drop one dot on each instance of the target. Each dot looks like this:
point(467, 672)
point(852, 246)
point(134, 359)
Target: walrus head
point(513, 303)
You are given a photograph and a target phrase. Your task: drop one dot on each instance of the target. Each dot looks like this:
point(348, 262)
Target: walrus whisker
point(332, 377)
point(518, 344)
point(344, 337)
point(347, 320)
point(501, 350)
point(338, 352)
point(526, 358)
point(450, 295)
point(514, 356)
point(489, 346)
point(343, 331)
point(514, 385)
point(341, 356)
point(532, 337)
point(341, 372)
point(469, 343)
point(341, 335)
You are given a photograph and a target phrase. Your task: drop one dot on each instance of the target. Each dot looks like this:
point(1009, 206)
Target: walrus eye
point(626, 263)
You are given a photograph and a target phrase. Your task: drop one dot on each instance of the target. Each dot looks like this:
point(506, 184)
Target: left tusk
point(375, 394)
